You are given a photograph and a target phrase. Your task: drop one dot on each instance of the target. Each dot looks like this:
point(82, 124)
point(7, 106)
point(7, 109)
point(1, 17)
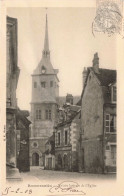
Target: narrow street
point(38, 173)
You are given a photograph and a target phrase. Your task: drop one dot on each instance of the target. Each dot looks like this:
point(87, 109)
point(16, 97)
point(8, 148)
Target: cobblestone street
point(41, 174)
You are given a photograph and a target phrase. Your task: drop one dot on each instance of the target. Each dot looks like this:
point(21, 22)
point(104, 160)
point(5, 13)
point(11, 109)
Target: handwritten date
point(18, 190)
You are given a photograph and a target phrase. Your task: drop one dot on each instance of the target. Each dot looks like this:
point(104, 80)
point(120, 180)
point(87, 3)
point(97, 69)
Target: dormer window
point(113, 93)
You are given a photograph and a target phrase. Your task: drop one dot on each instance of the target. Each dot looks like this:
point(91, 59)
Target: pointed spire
point(46, 52)
point(46, 41)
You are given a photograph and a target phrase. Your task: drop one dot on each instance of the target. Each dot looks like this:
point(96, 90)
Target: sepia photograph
point(61, 97)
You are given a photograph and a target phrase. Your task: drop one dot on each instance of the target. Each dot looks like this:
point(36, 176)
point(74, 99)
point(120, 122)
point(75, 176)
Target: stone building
point(67, 134)
point(22, 126)
point(45, 93)
point(12, 75)
point(98, 120)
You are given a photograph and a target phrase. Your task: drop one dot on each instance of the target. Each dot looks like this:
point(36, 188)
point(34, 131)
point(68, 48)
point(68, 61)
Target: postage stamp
point(109, 18)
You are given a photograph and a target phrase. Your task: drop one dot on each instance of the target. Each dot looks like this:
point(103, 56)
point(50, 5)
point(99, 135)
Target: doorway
point(50, 163)
point(59, 165)
point(65, 159)
point(35, 159)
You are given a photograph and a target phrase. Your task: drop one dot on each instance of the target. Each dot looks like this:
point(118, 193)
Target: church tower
point(45, 93)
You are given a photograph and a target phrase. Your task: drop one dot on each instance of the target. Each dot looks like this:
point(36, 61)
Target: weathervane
point(46, 10)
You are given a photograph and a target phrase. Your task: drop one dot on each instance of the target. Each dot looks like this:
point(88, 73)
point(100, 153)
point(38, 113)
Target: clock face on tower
point(43, 70)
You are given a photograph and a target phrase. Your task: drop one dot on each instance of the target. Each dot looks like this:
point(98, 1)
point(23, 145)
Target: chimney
point(84, 75)
point(96, 63)
point(69, 99)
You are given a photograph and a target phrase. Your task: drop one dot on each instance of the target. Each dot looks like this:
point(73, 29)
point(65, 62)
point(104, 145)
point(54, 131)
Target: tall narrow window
point(35, 84)
point(51, 83)
point(66, 137)
point(38, 114)
point(107, 122)
point(114, 94)
point(48, 114)
point(59, 138)
point(43, 84)
point(110, 123)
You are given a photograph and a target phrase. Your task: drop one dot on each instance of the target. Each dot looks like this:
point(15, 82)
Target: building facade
point(67, 134)
point(98, 120)
point(11, 101)
point(22, 126)
point(45, 93)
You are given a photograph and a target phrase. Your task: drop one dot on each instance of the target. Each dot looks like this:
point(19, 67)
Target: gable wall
point(92, 108)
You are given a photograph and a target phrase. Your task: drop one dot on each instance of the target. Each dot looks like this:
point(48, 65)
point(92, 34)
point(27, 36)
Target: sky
point(71, 43)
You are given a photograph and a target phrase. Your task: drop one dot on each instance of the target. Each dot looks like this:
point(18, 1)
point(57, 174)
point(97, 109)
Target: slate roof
point(106, 76)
